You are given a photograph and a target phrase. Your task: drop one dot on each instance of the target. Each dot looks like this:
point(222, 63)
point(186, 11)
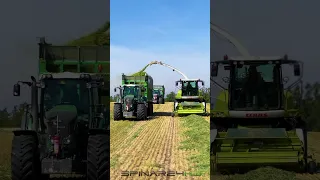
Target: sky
point(60, 21)
point(270, 28)
point(174, 32)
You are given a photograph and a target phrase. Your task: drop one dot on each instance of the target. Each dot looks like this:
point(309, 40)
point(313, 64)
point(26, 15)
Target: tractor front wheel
point(25, 161)
point(117, 112)
point(98, 157)
point(142, 112)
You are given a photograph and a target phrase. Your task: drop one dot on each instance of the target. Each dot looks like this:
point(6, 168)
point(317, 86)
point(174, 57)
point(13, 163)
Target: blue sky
point(175, 32)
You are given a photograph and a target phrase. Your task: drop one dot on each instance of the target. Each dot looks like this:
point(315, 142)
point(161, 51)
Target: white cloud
point(194, 63)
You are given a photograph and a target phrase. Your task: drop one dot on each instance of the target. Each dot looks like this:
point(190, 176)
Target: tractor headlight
point(46, 76)
point(84, 76)
point(66, 140)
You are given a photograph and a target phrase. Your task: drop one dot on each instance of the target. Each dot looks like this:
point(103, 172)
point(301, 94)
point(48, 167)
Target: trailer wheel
point(25, 162)
point(161, 100)
point(117, 112)
point(98, 157)
point(142, 112)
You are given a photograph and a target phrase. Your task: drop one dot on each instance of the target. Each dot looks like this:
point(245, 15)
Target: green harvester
point(258, 124)
point(189, 99)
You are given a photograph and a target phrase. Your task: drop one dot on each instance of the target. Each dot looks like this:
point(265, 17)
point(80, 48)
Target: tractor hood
point(128, 98)
point(60, 118)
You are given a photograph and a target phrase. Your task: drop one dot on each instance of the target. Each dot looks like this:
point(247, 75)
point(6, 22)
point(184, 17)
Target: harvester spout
point(173, 68)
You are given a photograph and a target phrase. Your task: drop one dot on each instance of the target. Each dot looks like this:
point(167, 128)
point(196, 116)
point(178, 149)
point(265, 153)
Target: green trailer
point(135, 98)
point(249, 130)
point(158, 94)
point(67, 123)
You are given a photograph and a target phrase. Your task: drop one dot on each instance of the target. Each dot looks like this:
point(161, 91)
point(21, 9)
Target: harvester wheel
point(117, 112)
point(98, 157)
point(142, 112)
point(25, 161)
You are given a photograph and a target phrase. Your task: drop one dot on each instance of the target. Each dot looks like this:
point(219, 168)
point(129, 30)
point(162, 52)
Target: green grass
point(266, 173)
point(197, 138)
point(100, 37)
point(5, 154)
point(137, 133)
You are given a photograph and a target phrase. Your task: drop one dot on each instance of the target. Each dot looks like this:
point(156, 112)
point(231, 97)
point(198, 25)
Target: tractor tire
point(25, 160)
point(98, 157)
point(117, 112)
point(161, 101)
point(142, 112)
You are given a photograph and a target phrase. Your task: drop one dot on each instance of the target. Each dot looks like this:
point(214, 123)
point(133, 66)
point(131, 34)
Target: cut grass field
point(161, 143)
point(166, 143)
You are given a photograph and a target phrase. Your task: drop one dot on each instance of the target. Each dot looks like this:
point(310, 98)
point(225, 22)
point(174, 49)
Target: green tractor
point(256, 121)
point(158, 94)
point(135, 98)
point(189, 98)
point(132, 103)
point(66, 127)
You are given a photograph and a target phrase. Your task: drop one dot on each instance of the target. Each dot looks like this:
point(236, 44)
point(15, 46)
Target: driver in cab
point(254, 85)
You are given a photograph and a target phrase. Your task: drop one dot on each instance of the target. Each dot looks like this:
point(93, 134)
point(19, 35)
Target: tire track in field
point(154, 148)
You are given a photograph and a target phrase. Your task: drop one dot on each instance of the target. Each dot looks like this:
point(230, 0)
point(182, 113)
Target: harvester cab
point(67, 122)
point(256, 121)
point(132, 99)
point(189, 98)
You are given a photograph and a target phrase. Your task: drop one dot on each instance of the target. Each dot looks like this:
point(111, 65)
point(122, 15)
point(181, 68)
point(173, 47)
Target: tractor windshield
point(130, 90)
point(189, 88)
point(255, 87)
point(156, 91)
point(66, 91)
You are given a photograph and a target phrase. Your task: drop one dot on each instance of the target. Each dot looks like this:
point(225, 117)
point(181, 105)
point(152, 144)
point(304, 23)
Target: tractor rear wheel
point(98, 157)
point(25, 160)
point(117, 112)
point(142, 112)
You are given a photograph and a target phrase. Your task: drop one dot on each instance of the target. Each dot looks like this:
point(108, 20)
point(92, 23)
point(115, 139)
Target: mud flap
point(213, 135)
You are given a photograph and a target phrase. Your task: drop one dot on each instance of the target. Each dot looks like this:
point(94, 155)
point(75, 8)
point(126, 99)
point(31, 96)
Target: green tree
point(170, 97)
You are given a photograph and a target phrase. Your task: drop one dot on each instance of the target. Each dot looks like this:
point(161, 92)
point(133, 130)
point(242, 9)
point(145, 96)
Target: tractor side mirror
point(202, 83)
point(214, 69)
point(16, 90)
point(115, 89)
point(296, 69)
point(176, 83)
